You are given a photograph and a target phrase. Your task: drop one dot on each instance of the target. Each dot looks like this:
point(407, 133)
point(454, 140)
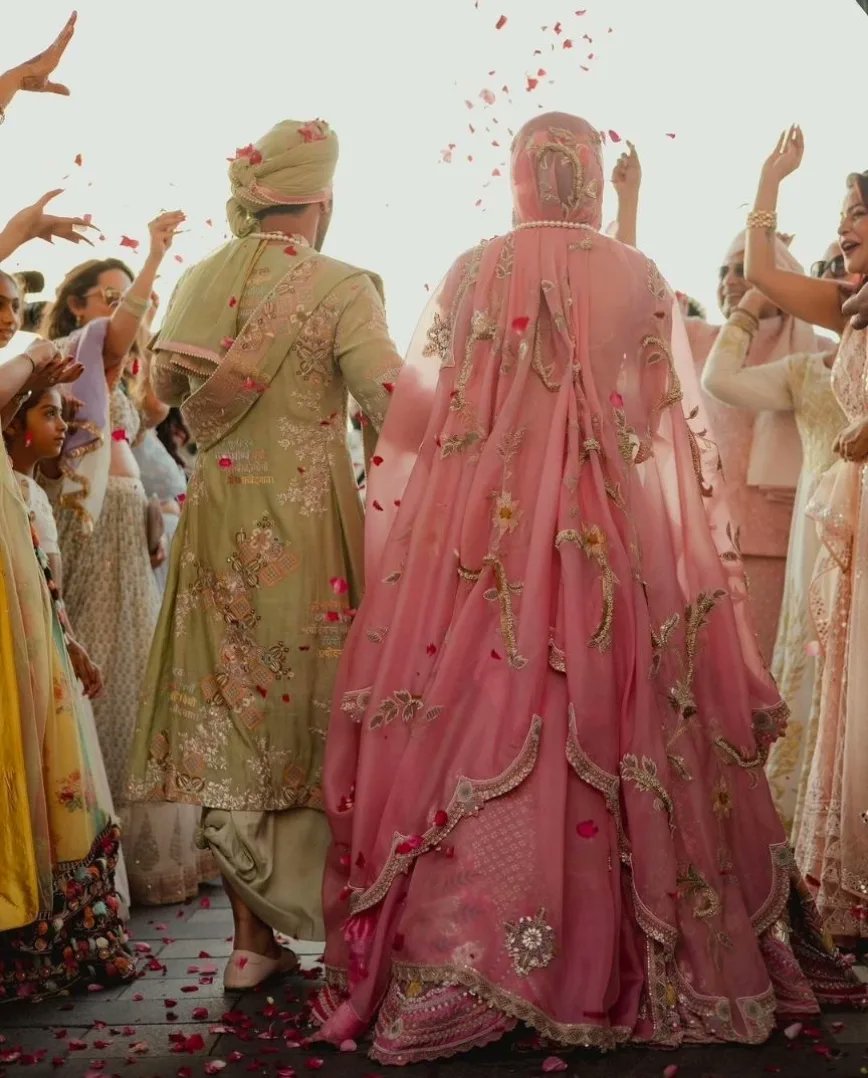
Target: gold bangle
point(744, 321)
point(138, 307)
point(763, 219)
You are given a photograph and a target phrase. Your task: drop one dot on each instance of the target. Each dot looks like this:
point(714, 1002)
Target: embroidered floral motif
point(70, 794)
point(245, 668)
point(695, 619)
point(458, 443)
point(721, 799)
point(440, 341)
point(505, 259)
point(506, 513)
point(592, 540)
point(482, 328)
point(530, 943)
point(659, 351)
point(643, 774)
point(312, 446)
point(692, 884)
point(401, 704)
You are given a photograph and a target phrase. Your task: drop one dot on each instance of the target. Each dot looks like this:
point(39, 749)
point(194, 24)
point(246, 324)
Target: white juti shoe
point(246, 969)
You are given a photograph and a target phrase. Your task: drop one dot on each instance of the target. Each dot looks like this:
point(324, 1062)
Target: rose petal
point(225, 462)
point(214, 1066)
point(615, 399)
point(792, 1031)
point(126, 241)
point(812, 648)
point(494, 654)
point(613, 135)
point(338, 585)
point(376, 461)
point(501, 22)
point(314, 1064)
point(521, 323)
point(670, 1071)
point(349, 1046)
point(553, 1064)
point(531, 84)
point(587, 829)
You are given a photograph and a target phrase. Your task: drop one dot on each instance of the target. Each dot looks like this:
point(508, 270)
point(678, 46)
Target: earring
point(28, 440)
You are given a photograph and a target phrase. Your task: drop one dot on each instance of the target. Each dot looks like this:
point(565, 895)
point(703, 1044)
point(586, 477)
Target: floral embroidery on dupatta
point(592, 540)
point(530, 943)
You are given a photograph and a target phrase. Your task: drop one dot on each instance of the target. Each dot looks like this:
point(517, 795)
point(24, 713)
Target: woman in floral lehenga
point(59, 910)
point(110, 588)
point(831, 843)
point(544, 807)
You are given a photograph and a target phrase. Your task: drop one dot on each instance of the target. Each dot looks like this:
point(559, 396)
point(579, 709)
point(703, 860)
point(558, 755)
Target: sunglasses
point(834, 268)
point(110, 296)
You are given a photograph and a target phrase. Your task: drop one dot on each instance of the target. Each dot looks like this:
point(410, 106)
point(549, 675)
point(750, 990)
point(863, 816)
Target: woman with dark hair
point(109, 536)
point(831, 842)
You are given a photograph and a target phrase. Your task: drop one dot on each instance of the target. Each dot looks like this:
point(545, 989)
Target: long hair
point(58, 320)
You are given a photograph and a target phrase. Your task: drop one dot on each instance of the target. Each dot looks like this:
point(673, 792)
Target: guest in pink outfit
point(544, 807)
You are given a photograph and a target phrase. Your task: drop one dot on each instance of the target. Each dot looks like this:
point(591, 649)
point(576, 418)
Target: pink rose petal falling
point(501, 22)
point(127, 241)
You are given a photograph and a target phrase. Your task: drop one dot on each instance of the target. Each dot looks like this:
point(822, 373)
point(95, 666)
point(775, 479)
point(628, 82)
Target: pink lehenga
point(832, 841)
point(544, 773)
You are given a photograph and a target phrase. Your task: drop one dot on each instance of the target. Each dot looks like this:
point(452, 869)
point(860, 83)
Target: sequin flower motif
point(530, 943)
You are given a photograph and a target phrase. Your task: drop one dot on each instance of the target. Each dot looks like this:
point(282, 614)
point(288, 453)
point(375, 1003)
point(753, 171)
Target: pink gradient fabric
point(544, 768)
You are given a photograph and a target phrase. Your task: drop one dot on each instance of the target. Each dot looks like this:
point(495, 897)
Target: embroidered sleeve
point(170, 386)
point(364, 350)
point(761, 389)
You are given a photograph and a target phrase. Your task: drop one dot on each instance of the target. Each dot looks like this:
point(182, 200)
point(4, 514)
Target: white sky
point(164, 91)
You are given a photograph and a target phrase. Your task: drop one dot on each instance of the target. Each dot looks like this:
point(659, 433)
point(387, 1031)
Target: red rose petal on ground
point(587, 829)
point(315, 1064)
point(670, 1071)
point(521, 323)
point(190, 988)
point(170, 1003)
point(553, 1064)
point(501, 22)
point(126, 241)
point(200, 1014)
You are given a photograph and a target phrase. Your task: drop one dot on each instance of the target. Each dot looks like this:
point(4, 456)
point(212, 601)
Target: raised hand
point(33, 223)
point(163, 230)
point(786, 156)
point(33, 76)
point(627, 174)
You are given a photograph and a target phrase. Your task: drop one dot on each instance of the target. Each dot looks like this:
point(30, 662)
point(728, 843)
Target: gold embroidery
point(440, 341)
point(695, 618)
point(643, 774)
point(546, 373)
point(660, 641)
point(656, 283)
point(377, 635)
point(721, 799)
point(706, 901)
point(530, 943)
point(482, 328)
point(502, 592)
point(659, 350)
point(557, 657)
point(312, 445)
point(355, 703)
point(468, 799)
point(592, 541)
point(505, 259)
point(696, 455)
point(458, 443)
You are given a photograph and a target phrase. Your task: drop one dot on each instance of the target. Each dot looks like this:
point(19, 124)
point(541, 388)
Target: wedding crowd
point(524, 669)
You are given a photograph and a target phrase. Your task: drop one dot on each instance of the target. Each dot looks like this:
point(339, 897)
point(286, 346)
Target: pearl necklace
point(281, 237)
point(552, 224)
